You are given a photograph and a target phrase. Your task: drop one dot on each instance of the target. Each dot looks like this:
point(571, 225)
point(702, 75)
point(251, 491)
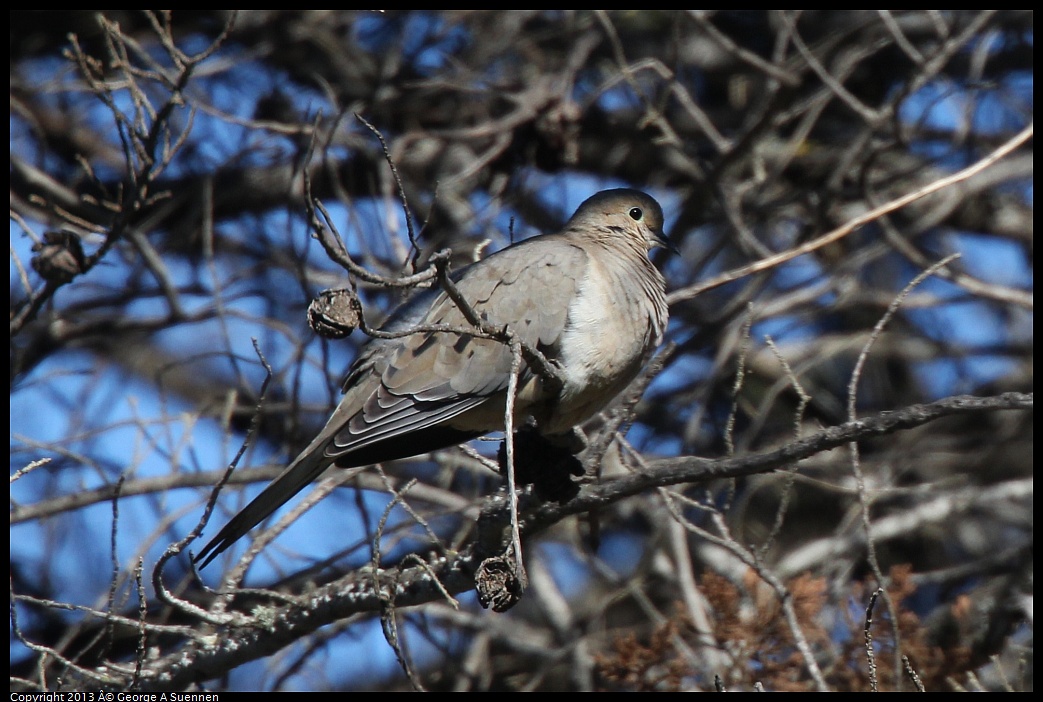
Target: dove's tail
point(308, 466)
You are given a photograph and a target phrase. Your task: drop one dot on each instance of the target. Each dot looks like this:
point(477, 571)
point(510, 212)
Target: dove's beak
point(661, 240)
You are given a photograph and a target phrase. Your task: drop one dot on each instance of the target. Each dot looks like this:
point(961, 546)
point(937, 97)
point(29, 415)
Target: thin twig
point(401, 189)
point(512, 489)
point(856, 465)
point(867, 635)
point(853, 224)
point(176, 548)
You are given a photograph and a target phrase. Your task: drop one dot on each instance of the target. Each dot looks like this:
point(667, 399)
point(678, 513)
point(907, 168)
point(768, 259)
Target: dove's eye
point(636, 214)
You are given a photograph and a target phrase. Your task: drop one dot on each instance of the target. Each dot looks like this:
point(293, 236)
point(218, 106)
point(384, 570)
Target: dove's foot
point(544, 464)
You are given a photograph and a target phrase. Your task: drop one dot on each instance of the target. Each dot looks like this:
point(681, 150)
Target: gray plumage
point(587, 297)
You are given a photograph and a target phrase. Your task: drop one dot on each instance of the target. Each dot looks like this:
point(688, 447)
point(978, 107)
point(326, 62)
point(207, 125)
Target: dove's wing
point(430, 390)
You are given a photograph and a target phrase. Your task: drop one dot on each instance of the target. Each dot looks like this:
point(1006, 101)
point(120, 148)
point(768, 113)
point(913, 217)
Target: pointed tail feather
point(304, 470)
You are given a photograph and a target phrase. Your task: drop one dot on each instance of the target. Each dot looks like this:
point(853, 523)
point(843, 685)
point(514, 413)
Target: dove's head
point(621, 216)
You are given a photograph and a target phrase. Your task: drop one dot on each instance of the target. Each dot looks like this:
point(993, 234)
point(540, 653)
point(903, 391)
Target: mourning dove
point(588, 298)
